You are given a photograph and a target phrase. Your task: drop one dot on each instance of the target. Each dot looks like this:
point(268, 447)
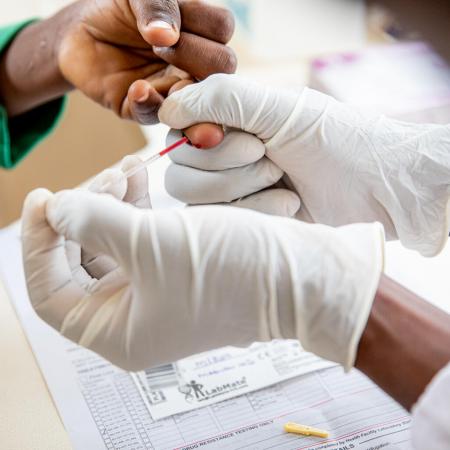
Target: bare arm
point(29, 69)
point(405, 343)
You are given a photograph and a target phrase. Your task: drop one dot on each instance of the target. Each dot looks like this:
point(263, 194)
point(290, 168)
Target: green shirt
point(20, 134)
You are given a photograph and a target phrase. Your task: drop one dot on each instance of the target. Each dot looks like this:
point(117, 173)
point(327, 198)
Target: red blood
point(205, 135)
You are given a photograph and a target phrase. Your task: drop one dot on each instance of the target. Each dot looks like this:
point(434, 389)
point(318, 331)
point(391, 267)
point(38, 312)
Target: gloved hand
point(191, 280)
point(86, 266)
point(345, 166)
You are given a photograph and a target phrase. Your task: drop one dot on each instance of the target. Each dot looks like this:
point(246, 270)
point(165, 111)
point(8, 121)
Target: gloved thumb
point(98, 222)
point(232, 101)
point(158, 22)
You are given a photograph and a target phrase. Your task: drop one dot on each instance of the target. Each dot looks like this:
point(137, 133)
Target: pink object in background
point(407, 81)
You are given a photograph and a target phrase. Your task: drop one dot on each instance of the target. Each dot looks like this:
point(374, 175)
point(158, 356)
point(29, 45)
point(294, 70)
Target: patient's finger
point(204, 135)
point(158, 21)
point(142, 103)
point(211, 22)
point(198, 56)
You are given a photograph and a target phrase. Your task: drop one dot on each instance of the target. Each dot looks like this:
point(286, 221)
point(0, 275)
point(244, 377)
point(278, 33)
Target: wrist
point(331, 289)
point(62, 25)
point(30, 74)
point(405, 343)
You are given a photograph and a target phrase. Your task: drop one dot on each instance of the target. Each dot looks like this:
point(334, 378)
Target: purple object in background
point(407, 81)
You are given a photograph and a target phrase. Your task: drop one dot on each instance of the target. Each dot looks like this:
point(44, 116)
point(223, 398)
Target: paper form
point(102, 409)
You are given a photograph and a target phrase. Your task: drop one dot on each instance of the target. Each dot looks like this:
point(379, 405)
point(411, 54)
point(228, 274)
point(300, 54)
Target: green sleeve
point(20, 134)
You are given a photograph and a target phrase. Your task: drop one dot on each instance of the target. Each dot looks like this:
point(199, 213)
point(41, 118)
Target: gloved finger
point(134, 190)
point(276, 202)
point(137, 193)
point(99, 223)
point(236, 150)
point(194, 186)
point(80, 274)
point(198, 56)
point(52, 291)
point(159, 22)
point(109, 181)
point(203, 135)
point(209, 21)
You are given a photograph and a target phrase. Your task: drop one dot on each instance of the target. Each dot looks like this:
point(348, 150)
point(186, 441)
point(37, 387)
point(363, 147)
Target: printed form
point(103, 408)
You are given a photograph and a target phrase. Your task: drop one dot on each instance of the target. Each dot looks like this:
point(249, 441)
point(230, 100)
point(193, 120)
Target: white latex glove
point(431, 414)
point(345, 166)
point(199, 278)
point(133, 190)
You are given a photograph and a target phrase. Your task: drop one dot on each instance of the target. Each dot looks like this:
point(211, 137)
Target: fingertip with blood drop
point(205, 135)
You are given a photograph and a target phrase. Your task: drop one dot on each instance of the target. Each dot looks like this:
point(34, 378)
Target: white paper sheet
point(101, 407)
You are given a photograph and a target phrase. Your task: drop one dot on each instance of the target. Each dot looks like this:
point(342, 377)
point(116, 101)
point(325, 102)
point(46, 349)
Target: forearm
point(29, 68)
point(405, 343)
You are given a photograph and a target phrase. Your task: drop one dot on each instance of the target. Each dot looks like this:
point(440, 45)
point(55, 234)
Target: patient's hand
point(124, 54)
point(113, 43)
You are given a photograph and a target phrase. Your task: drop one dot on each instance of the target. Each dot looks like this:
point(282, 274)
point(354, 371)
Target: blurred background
point(356, 50)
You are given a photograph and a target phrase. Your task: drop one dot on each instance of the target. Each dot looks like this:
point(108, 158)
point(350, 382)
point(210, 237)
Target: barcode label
point(161, 377)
